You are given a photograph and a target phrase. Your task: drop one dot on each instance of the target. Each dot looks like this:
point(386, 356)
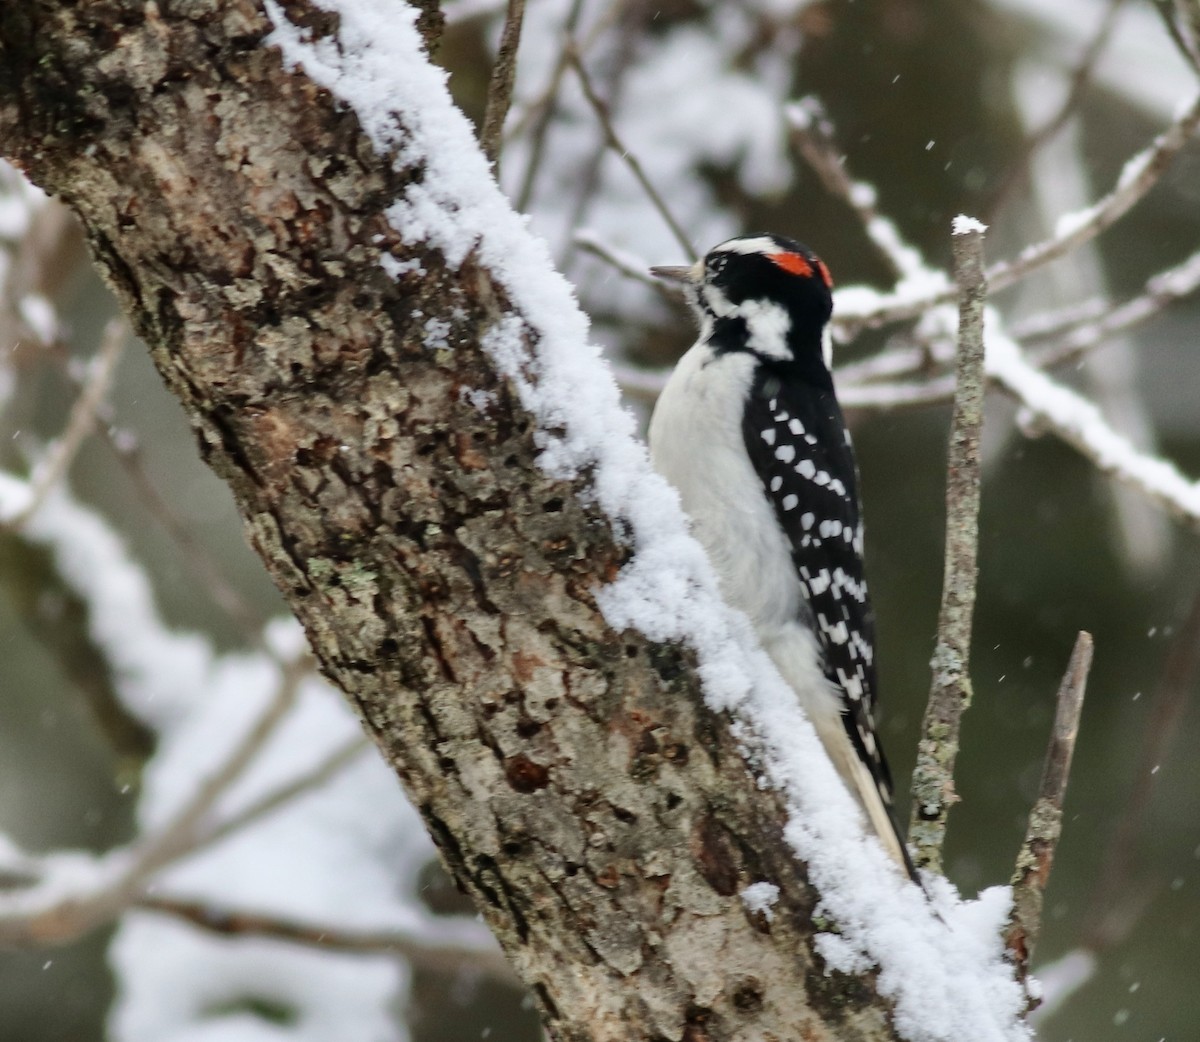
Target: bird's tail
point(865, 788)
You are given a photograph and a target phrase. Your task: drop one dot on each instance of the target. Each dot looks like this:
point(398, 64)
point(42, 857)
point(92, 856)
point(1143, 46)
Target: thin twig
point(50, 912)
point(334, 763)
point(542, 112)
point(1139, 175)
point(194, 554)
point(46, 257)
point(886, 364)
point(1162, 290)
point(435, 951)
point(80, 423)
point(950, 691)
point(891, 397)
point(628, 264)
point(1182, 19)
point(1080, 80)
point(813, 135)
point(630, 160)
point(184, 831)
point(1054, 322)
point(1036, 857)
point(622, 52)
point(500, 88)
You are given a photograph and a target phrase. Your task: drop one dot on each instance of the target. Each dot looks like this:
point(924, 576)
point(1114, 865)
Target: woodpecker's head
point(760, 293)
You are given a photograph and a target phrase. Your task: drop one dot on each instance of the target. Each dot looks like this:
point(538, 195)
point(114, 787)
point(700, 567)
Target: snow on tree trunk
point(351, 345)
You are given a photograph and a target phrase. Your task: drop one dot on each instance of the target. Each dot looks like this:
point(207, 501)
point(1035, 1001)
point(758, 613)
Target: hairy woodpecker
point(749, 432)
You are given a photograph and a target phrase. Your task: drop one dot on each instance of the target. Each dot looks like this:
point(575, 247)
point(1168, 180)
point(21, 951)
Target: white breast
point(696, 444)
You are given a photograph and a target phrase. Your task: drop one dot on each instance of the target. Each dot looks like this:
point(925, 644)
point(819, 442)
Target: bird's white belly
point(696, 443)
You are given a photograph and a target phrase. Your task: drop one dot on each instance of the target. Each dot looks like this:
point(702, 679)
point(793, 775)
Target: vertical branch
point(545, 111)
point(950, 692)
point(631, 161)
point(500, 88)
point(1036, 858)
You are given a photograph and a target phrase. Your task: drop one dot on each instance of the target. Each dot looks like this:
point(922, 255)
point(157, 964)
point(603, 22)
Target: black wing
point(799, 445)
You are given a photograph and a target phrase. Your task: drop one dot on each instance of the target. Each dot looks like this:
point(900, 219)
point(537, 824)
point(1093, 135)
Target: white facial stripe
point(768, 325)
point(758, 244)
point(716, 301)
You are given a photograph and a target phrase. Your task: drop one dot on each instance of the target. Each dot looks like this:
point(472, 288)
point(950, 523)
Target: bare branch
point(500, 88)
point(892, 362)
point(53, 912)
point(888, 397)
point(80, 423)
point(1182, 19)
point(335, 762)
point(628, 264)
point(1036, 857)
point(470, 949)
point(194, 554)
point(1080, 80)
point(950, 693)
point(540, 113)
point(630, 160)
point(813, 135)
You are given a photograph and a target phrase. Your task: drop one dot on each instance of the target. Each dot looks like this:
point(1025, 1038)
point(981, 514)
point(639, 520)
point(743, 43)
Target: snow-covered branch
point(1139, 175)
point(1071, 417)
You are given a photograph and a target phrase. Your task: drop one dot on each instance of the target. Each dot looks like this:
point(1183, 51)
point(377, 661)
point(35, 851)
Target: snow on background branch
point(703, 107)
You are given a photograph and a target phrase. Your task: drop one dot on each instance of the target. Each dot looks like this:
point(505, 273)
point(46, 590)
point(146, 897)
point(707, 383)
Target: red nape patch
point(795, 263)
point(825, 276)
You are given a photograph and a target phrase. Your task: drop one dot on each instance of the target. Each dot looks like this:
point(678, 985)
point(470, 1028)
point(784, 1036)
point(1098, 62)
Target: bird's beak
point(686, 275)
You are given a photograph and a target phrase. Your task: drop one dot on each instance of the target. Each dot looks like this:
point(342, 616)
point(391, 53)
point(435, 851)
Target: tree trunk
point(601, 817)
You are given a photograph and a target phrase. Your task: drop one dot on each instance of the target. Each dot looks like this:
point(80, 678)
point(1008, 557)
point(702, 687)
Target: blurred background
point(1012, 111)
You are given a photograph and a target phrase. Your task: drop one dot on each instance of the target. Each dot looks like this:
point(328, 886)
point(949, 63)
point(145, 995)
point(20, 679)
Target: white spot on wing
point(785, 453)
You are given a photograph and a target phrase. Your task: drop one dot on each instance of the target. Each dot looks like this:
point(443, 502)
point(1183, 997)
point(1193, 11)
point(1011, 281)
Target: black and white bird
point(749, 431)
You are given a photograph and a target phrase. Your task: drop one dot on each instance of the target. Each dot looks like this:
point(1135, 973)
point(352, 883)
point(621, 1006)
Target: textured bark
point(602, 818)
